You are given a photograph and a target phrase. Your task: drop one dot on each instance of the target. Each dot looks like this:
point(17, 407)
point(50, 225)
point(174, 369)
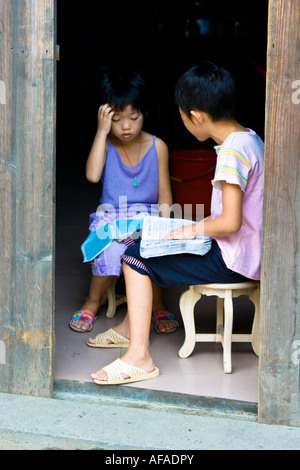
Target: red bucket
point(191, 175)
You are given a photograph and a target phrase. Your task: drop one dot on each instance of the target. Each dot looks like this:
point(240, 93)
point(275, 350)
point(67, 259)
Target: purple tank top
point(117, 178)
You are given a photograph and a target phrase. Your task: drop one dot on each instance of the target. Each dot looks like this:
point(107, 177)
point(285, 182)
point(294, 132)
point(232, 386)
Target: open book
point(102, 237)
point(156, 228)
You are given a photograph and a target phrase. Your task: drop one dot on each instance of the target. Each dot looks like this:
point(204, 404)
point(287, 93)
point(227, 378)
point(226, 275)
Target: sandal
point(117, 341)
point(83, 315)
point(119, 367)
point(164, 315)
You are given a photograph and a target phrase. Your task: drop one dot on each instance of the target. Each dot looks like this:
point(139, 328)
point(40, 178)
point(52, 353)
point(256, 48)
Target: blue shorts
point(184, 269)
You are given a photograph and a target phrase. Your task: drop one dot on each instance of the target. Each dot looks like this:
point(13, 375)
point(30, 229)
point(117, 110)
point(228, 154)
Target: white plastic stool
point(225, 294)
point(113, 299)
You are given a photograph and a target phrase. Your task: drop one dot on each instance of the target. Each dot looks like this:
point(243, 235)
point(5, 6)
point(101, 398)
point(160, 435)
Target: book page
point(153, 243)
point(156, 228)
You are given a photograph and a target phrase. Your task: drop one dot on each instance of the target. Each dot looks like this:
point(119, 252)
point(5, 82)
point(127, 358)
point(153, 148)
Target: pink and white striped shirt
point(240, 161)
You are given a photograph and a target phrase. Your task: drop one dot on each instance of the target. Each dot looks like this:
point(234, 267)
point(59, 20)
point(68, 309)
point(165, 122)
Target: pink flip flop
point(83, 315)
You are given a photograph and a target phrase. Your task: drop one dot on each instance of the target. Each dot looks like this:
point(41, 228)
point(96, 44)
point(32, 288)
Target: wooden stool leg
point(228, 314)
point(255, 298)
point(220, 315)
point(187, 304)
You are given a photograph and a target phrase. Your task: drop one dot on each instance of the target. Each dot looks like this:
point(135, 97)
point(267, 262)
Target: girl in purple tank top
point(133, 167)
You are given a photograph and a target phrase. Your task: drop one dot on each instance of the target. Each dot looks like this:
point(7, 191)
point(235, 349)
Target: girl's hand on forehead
point(105, 114)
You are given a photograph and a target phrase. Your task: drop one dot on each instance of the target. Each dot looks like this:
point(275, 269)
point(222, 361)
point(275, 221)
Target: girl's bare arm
point(97, 156)
point(230, 221)
point(164, 185)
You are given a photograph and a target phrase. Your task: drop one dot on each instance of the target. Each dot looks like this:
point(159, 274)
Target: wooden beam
point(279, 392)
point(27, 146)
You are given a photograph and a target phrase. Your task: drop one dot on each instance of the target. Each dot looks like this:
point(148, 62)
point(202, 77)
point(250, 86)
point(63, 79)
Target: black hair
point(123, 88)
point(208, 88)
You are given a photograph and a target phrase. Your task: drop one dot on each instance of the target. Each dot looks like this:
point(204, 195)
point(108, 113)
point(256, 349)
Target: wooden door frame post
point(27, 164)
point(279, 392)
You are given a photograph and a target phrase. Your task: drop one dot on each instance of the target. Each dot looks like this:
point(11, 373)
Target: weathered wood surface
point(279, 392)
point(27, 107)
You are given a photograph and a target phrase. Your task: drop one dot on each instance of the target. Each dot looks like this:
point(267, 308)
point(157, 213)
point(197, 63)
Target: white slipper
point(117, 341)
point(117, 368)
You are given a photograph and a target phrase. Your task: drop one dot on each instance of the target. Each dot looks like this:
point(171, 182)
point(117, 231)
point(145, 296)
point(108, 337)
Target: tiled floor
point(201, 374)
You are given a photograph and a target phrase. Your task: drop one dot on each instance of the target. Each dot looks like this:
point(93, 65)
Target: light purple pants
point(108, 263)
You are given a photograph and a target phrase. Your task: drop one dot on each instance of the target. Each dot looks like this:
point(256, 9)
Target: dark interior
point(164, 38)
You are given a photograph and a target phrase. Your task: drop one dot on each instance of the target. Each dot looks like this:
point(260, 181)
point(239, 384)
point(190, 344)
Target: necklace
point(134, 169)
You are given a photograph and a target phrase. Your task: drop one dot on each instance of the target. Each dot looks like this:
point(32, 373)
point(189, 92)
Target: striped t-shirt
point(240, 161)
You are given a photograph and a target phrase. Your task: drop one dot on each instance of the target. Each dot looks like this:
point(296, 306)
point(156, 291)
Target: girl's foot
point(83, 323)
point(162, 325)
point(122, 329)
point(93, 302)
point(145, 364)
point(164, 321)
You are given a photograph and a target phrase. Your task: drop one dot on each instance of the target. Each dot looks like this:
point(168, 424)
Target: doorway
point(164, 38)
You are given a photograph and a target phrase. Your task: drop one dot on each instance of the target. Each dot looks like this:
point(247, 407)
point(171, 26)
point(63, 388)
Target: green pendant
point(134, 181)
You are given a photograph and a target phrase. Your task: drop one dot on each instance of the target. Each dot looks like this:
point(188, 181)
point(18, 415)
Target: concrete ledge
point(25, 441)
point(141, 397)
point(72, 422)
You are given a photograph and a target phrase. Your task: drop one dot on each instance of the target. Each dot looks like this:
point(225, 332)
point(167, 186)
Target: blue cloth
point(99, 239)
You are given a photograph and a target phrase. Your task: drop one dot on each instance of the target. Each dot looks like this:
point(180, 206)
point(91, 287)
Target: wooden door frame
point(280, 282)
point(27, 185)
point(27, 192)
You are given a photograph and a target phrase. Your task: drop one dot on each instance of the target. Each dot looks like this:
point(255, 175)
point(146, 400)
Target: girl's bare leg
point(139, 301)
point(158, 304)
point(97, 288)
